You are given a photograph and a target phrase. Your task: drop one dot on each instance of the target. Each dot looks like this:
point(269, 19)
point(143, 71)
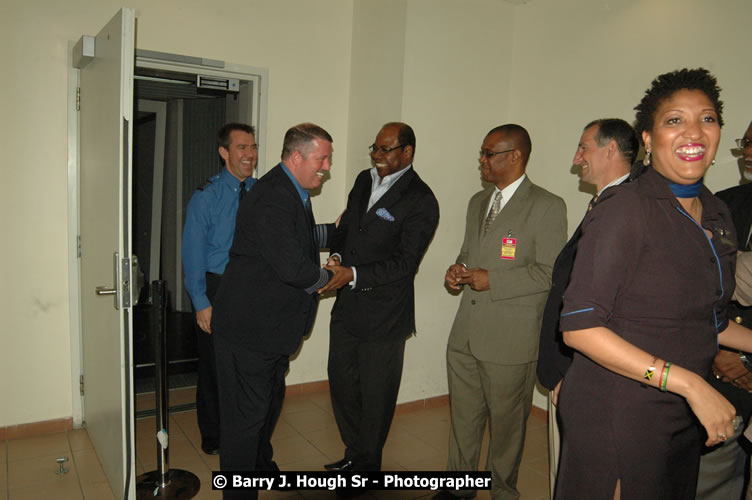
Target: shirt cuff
point(324, 277)
point(201, 303)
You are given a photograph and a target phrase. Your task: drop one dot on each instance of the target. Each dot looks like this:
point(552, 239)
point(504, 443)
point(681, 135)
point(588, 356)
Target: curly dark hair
point(665, 85)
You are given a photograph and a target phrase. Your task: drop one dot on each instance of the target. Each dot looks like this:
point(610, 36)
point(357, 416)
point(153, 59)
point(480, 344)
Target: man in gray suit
point(513, 233)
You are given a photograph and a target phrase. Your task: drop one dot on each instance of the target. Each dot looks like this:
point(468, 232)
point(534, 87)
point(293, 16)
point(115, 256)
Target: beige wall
point(578, 60)
point(451, 68)
point(308, 58)
point(455, 91)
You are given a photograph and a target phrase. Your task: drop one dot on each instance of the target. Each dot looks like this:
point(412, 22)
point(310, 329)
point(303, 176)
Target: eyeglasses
point(743, 142)
point(491, 154)
point(373, 148)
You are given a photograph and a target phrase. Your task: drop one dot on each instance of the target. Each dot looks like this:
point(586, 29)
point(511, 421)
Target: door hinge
point(81, 384)
point(78, 245)
point(78, 98)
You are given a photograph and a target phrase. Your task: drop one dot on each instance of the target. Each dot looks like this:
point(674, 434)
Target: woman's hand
point(613, 352)
point(713, 411)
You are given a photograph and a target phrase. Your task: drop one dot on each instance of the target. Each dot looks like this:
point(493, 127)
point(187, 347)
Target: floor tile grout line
point(198, 450)
point(427, 442)
point(73, 461)
point(316, 404)
point(300, 434)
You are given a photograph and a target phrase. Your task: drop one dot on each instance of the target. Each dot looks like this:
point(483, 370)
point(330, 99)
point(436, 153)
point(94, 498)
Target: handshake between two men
point(341, 277)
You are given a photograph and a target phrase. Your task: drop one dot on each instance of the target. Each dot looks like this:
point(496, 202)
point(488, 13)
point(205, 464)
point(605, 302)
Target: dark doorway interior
point(174, 152)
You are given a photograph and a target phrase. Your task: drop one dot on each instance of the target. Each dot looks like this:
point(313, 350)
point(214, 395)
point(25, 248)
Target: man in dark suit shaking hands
point(389, 221)
point(267, 300)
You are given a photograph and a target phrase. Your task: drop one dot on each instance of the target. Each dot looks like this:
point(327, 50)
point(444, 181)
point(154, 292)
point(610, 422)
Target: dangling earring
point(646, 159)
point(713, 162)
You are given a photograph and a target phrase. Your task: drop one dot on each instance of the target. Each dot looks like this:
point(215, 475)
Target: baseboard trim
point(539, 413)
point(36, 428)
point(402, 408)
point(66, 424)
point(410, 406)
point(307, 388)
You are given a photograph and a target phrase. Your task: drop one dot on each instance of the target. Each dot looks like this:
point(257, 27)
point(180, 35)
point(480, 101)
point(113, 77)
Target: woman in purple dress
point(646, 310)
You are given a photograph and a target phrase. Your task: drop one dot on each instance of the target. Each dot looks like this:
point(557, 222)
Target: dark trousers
point(251, 390)
point(364, 379)
point(207, 401)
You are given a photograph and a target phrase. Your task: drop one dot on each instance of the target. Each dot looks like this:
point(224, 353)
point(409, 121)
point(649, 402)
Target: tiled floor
point(305, 438)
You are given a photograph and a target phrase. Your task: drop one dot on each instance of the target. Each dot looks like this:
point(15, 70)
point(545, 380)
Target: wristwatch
point(745, 360)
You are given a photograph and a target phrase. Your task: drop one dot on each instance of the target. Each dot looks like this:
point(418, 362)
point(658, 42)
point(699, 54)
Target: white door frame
point(154, 60)
point(159, 108)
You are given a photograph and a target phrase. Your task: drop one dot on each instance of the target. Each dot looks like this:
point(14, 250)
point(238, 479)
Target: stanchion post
point(161, 391)
point(163, 482)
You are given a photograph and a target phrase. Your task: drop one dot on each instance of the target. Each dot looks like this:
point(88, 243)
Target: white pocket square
point(384, 214)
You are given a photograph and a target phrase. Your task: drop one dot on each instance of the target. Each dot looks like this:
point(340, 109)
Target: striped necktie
point(495, 209)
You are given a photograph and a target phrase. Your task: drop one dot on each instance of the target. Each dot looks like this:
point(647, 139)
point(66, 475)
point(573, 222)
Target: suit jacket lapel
point(290, 187)
point(519, 197)
point(742, 218)
point(390, 197)
point(363, 195)
point(511, 207)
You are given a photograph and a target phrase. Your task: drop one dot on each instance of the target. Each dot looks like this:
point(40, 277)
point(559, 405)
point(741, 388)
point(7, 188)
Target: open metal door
point(105, 134)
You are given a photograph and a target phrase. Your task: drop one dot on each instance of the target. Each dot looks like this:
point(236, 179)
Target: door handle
point(122, 288)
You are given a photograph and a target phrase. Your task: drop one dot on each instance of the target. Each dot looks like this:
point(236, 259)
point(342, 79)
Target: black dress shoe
point(445, 495)
point(209, 448)
point(339, 465)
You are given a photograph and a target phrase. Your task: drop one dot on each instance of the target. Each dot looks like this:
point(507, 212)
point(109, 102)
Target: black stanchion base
point(181, 485)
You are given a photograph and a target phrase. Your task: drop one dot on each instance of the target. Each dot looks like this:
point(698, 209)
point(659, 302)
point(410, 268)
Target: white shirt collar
point(379, 189)
point(506, 193)
point(509, 191)
point(614, 182)
point(388, 180)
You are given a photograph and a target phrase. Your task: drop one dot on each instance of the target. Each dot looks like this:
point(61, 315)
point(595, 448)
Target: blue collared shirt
point(302, 192)
point(208, 231)
point(320, 232)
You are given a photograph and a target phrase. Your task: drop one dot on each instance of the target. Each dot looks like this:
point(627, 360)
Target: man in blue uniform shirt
point(207, 237)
